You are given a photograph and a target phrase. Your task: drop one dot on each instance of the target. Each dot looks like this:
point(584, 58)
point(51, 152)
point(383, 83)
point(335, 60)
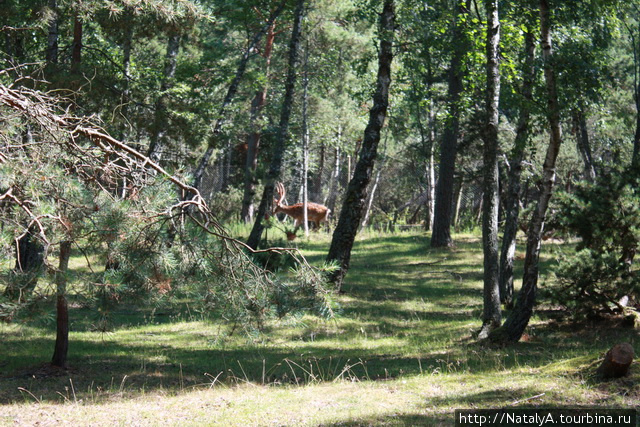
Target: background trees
point(211, 92)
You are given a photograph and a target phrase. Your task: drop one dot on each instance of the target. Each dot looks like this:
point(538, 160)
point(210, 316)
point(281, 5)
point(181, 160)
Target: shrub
point(605, 215)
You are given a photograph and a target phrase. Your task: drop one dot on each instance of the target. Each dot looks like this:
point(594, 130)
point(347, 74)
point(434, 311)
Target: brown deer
point(316, 213)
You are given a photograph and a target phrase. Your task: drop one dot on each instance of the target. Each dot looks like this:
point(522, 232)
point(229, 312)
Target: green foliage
point(605, 215)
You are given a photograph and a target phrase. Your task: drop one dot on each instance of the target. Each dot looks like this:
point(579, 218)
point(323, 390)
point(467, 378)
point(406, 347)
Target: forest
point(317, 212)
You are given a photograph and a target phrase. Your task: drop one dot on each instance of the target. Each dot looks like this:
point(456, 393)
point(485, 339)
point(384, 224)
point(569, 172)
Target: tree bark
point(126, 91)
point(62, 321)
point(52, 39)
point(457, 199)
point(126, 68)
point(253, 139)
point(512, 202)
point(333, 180)
point(519, 317)
point(305, 141)
point(617, 361)
point(582, 142)
point(491, 316)
point(441, 235)
point(317, 177)
point(427, 137)
point(283, 129)
point(76, 46)
point(431, 172)
point(636, 93)
point(231, 92)
point(158, 140)
point(367, 212)
point(356, 194)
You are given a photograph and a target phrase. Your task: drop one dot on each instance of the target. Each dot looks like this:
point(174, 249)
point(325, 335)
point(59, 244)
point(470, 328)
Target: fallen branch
point(537, 396)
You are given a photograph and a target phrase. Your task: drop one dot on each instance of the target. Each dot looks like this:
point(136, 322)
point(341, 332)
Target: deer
point(316, 213)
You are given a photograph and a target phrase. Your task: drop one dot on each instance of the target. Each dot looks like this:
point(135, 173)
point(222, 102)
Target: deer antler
point(281, 193)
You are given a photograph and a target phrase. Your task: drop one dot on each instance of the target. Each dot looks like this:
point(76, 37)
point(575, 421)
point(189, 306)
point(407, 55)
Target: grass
point(400, 352)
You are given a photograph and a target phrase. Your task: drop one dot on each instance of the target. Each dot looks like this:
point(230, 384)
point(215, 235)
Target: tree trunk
point(356, 194)
point(126, 76)
point(636, 93)
point(62, 321)
point(441, 235)
point(457, 197)
point(491, 316)
point(226, 171)
point(518, 319)
point(283, 129)
point(305, 141)
point(512, 202)
point(317, 177)
point(428, 145)
point(346, 177)
point(158, 140)
point(367, 211)
point(431, 172)
point(76, 46)
point(582, 142)
point(253, 139)
point(231, 92)
point(333, 180)
point(52, 39)
point(126, 90)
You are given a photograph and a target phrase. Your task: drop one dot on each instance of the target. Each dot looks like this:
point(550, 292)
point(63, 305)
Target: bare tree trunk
point(441, 235)
point(305, 141)
point(126, 72)
point(253, 140)
point(518, 319)
point(231, 92)
point(427, 137)
point(431, 172)
point(356, 194)
point(283, 128)
point(62, 321)
point(333, 180)
point(636, 139)
point(52, 39)
point(317, 178)
point(582, 142)
point(372, 195)
point(76, 46)
point(457, 197)
point(491, 315)
point(636, 91)
point(158, 140)
point(512, 203)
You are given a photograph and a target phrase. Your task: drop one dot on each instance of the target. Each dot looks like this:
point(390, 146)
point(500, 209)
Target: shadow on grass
point(398, 420)
point(408, 310)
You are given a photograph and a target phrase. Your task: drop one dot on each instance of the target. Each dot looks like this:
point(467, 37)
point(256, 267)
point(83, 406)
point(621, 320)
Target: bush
point(605, 215)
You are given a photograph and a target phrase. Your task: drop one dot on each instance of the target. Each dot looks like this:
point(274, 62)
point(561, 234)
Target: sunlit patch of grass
point(400, 351)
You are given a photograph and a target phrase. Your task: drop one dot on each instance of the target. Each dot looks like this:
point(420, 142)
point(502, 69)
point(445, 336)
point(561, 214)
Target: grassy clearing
point(400, 352)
